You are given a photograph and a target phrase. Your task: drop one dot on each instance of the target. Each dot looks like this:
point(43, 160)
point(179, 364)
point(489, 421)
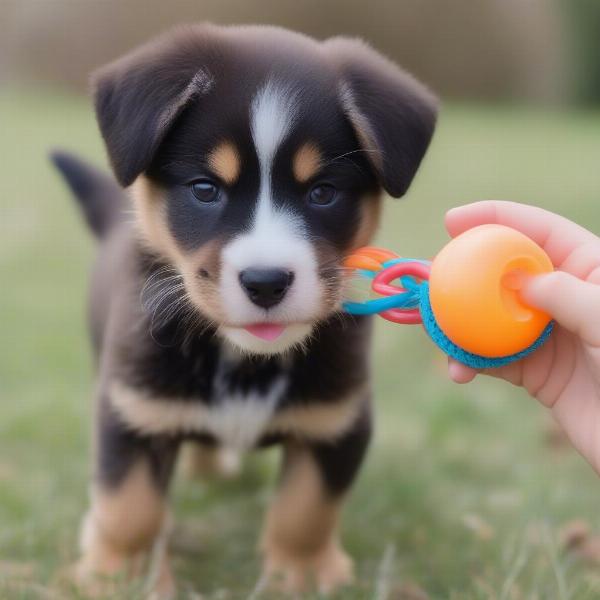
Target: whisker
point(349, 153)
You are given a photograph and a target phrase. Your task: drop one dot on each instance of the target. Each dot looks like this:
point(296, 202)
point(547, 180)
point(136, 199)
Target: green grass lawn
point(463, 495)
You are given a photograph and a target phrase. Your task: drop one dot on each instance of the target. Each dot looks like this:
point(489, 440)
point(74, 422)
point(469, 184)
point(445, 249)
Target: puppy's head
point(256, 158)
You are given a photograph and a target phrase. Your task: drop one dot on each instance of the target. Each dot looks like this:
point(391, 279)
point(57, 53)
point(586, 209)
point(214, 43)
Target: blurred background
point(469, 492)
point(494, 50)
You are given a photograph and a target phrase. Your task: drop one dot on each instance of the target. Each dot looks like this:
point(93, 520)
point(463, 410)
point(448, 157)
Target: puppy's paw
point(122, 579)
point(161, 583)
point(333, 570)
point(92, 584)
point(327, 571)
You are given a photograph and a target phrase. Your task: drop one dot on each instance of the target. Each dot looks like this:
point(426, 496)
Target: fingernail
point(454, 371)
point(453, 211)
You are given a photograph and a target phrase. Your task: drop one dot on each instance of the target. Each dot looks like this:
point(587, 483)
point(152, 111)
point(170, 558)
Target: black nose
point(266, 287)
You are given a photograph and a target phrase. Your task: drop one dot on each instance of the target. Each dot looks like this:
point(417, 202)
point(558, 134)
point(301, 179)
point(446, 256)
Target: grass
point(462, 496)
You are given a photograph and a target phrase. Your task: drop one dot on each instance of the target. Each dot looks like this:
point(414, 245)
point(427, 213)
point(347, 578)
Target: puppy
point(254, 159)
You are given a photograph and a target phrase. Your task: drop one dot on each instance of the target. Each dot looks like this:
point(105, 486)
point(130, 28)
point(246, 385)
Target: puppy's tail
point(100, 197)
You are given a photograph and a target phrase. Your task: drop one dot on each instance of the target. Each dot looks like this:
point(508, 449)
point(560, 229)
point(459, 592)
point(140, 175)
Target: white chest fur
point(237, 417)
point(238, 420)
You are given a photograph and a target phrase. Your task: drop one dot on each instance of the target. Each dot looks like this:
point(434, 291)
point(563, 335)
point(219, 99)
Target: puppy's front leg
point(300, 541)
point(128, 507)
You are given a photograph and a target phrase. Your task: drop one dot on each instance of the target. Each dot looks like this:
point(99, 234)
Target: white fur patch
point(239, 421)
point(273, 111)
point(276, 239)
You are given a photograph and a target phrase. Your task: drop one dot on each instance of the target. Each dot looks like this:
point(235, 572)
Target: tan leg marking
point(300, 542)
point(224, 160)
point(306, 163)
point(120, 529)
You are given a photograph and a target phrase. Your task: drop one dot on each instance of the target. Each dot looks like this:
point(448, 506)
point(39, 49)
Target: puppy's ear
point(393, 114)
point(139, 96)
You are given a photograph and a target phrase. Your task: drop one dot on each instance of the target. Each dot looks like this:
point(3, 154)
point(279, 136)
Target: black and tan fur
point(173, 362)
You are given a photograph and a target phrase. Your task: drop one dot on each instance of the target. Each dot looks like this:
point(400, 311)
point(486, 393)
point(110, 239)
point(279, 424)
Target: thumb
point(573, 303)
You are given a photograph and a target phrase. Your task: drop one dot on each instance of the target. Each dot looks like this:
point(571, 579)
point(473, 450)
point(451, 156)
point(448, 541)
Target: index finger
point(558, 236)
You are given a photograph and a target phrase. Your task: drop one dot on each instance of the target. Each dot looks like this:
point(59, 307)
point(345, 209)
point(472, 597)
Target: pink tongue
point(266, 331)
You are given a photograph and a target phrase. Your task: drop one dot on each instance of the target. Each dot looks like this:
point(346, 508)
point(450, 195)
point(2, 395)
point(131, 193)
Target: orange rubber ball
point(474, 290)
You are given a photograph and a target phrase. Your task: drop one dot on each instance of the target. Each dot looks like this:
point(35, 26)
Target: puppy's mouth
point(268, 332)
point(267, 337)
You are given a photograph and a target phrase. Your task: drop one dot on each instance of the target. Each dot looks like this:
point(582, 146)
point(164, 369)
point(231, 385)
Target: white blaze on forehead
point(272, 113)
point(276, 236)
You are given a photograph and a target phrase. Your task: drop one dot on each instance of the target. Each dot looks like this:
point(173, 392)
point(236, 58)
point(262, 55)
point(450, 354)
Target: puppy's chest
point(208, 389)
point(243, 399)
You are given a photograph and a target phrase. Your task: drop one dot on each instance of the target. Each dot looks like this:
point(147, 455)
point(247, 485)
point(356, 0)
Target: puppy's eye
point(205, 190)
point(323, 194)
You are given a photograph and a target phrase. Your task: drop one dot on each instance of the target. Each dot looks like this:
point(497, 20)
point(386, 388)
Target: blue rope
point(404, 300)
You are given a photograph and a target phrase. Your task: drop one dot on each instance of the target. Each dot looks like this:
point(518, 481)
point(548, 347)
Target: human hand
point(564, 374)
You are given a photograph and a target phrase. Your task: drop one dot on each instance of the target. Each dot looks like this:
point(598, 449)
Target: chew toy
point(467, 298)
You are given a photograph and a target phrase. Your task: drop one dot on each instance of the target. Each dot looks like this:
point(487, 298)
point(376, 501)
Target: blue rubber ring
point(468, 358)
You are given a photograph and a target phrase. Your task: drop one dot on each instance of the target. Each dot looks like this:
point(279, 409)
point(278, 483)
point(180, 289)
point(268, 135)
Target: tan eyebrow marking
point(225, 161)
point(307, 162)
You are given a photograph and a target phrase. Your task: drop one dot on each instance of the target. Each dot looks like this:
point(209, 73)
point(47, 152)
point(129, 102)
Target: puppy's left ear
point(139, 96)
point(392, 114)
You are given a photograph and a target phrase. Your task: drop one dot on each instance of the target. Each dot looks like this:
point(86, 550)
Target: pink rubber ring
point(382, 284)
point(382, 281)
point(404, 317)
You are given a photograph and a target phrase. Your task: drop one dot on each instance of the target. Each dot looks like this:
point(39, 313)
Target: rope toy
point(467, 298)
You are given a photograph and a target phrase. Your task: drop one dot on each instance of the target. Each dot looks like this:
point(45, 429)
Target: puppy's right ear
point(139, 96)
point(392, 113)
